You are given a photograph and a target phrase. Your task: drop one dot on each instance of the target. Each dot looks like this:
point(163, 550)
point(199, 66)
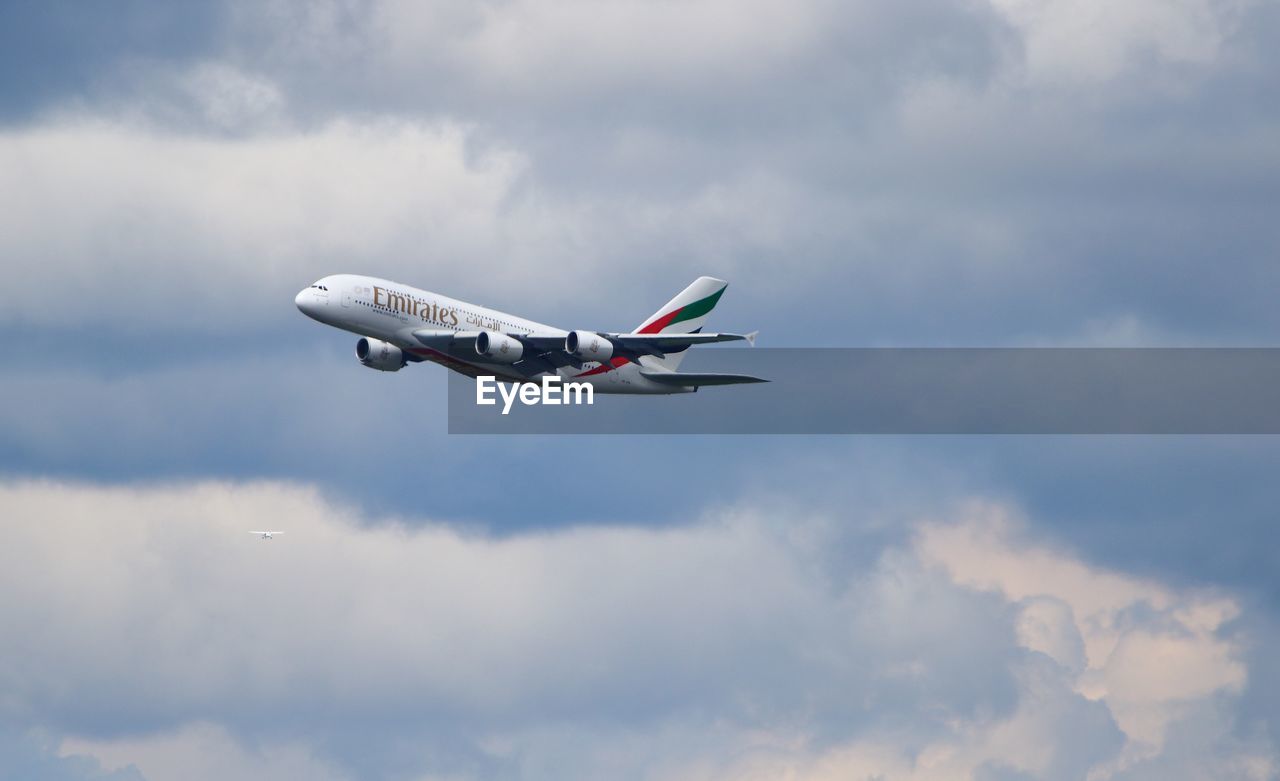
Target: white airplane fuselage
point(425, 326)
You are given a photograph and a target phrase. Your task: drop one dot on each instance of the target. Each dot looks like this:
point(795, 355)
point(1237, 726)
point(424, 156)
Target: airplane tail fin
point(684, 314)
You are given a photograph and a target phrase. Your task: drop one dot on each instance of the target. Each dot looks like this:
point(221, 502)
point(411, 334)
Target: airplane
point(266, 535)
point(398, 325)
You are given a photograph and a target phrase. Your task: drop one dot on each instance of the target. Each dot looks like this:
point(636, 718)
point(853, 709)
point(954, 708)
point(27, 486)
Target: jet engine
point(498, 348)
point(588, 346)
point(379, 355)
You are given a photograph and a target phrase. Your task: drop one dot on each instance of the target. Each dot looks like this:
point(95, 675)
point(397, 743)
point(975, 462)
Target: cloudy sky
point(865, 173)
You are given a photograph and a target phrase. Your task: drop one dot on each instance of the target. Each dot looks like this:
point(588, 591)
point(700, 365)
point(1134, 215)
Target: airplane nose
point(303, 301)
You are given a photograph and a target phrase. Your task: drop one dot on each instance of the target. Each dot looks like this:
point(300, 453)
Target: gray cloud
point(374, 650)
point(32, 755)
point(955, 173)
point(56, 52)
point(310, 412)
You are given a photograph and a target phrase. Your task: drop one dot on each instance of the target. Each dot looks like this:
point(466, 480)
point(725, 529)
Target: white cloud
point(126, 225)
point(102, 218)
point(529, 48)
point(231, 99)
point(150, 628)
point(199, 751)
point(1148, 651)
point(1070, 41)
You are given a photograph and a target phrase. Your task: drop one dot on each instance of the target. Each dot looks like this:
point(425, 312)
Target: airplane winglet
point(751, 338)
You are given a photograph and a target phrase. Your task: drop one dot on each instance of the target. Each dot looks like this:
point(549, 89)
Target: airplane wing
point(264, 532)
point(543, 353)
point(445, 341)
point(546, 353)
point(632, 345)
point(696, 379)
point(545, 343)
point(541, 343)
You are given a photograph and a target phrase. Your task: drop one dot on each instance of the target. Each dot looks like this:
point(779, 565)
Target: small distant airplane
point(398, 324)
point(266, 535)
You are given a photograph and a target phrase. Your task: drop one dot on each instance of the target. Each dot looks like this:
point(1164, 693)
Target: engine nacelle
point(588, 346)
point(379, 355)
point(498, 348)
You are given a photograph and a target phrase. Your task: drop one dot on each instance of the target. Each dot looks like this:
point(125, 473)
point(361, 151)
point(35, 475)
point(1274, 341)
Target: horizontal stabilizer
point(661, 344)
point(694, 379)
